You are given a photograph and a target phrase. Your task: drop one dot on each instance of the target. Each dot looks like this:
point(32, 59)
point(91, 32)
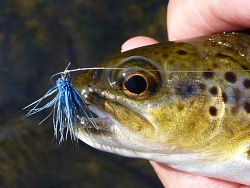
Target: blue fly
point(69, 109)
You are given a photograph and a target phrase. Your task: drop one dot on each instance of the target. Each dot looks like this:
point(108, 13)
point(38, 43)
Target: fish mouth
point(98, 123)
point(108, 135)
point(111, 131)
point(102, 135)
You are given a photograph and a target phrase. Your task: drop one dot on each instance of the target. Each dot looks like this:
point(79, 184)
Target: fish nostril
point(94, 75)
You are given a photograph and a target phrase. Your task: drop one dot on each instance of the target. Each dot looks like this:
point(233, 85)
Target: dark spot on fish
point(165, 55)
point(180, 107)
point(230, 77)
point(235, 110)
point(187, 89)
point(192, 102)
point(213, 90)
point(224, 96)
point(202, 86)
point(215, 65)
point(212, 111)
point(247, 107)
point(246, 83)
point(181, 52)
point(156, 53)
point(208, 74)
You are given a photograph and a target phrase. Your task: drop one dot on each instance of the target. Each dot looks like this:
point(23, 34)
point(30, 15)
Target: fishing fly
point(69, 108)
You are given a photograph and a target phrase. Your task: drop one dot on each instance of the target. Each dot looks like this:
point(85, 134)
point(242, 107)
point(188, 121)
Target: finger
point(174, 178)
point(136, 42)
point(191, 18)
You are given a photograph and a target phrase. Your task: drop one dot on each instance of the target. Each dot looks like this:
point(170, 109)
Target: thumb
point(136, 42)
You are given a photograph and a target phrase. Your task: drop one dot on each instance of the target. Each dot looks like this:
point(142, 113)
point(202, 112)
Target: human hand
point(187, 19)
point(193, 18)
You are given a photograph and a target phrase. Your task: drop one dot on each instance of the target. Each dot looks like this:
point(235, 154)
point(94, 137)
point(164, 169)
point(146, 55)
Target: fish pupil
point(136, 84)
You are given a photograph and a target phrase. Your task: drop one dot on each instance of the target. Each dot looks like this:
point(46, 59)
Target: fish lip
point(99, 120)
point(103, 121)
point(96, 105)
point(103, 136)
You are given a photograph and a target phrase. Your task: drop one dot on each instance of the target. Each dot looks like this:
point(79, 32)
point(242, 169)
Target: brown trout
point(184, 104)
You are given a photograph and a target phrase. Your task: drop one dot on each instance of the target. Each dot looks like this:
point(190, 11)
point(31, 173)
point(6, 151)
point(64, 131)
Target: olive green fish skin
point(183, 103)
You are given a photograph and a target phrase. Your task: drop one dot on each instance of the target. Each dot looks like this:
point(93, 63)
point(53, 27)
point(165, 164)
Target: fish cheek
point(180, 123)
point(131, 121)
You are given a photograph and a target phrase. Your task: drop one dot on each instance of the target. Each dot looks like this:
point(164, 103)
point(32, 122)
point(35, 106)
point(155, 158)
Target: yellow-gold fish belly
point(184, 103)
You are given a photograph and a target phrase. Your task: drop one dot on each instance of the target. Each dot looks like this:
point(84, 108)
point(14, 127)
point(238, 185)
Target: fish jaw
point(112, 136)
point(109, 138)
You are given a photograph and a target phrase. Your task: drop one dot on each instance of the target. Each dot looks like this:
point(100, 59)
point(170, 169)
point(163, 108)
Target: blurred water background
point(37, 39)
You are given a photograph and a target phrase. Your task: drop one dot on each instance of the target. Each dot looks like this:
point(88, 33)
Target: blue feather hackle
point(69, 109)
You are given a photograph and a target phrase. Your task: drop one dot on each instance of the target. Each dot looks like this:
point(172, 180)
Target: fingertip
point(173, 178)
point(136, 42)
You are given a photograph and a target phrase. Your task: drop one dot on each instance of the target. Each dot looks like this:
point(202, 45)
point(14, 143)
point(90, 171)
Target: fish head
point(170, 103)
point(122, 97)
point(153, 103)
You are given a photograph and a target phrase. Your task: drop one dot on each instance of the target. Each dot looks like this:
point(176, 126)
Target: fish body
point(184, 104)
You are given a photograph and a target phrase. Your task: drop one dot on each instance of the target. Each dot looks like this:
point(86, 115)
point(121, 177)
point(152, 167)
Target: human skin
point(187, 19)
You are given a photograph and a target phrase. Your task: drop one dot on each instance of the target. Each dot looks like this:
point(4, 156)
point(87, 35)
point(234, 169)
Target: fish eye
point(137, 84)
point(138, 77)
